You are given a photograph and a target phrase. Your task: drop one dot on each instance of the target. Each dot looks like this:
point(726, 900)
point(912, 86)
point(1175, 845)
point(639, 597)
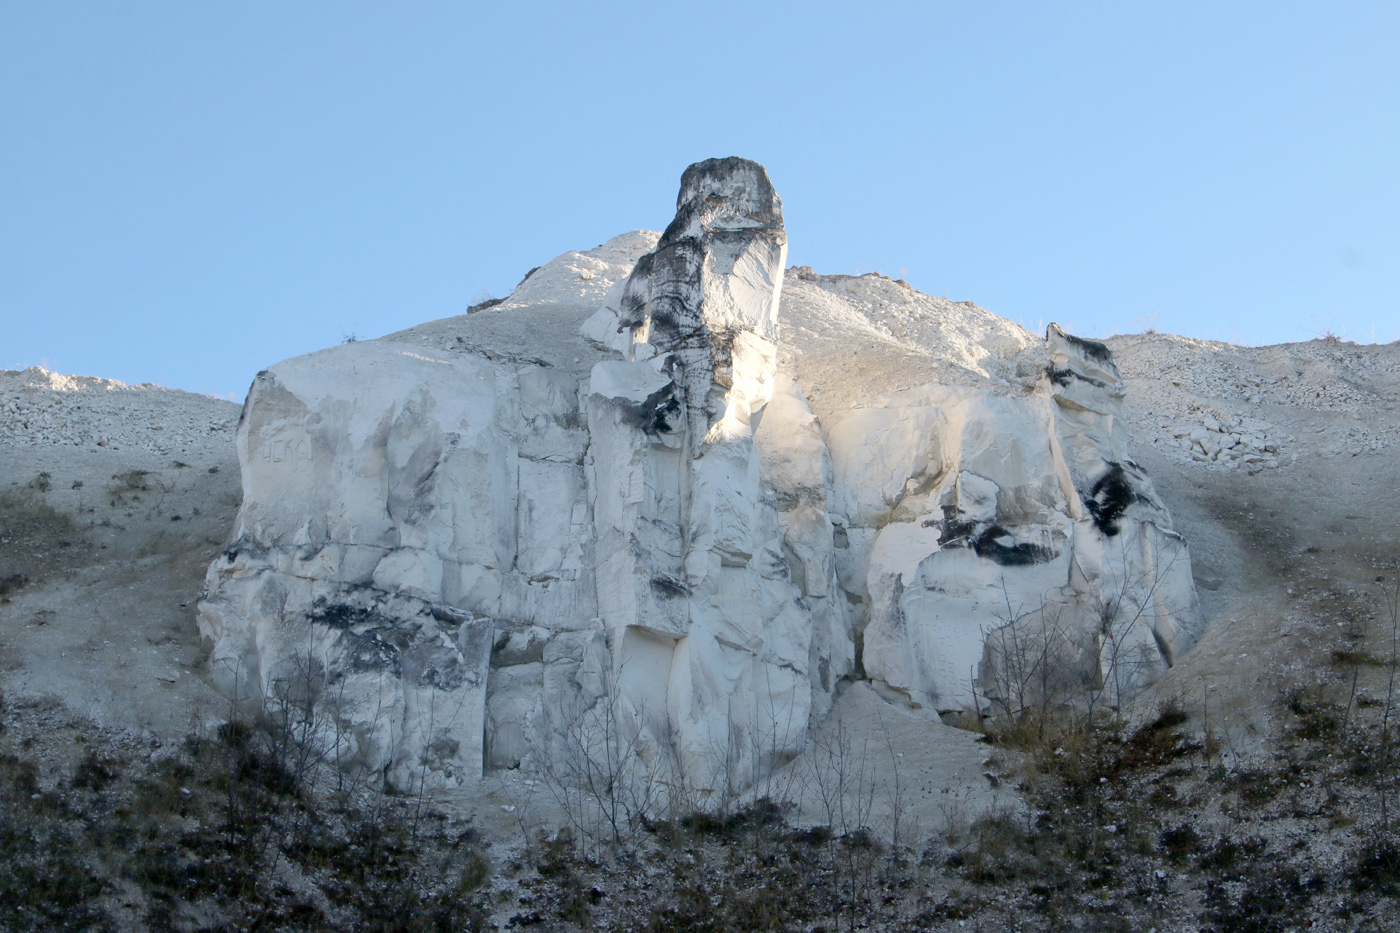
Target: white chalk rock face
point(1013, 553)
point(651, 512)
point(369, 549)
point(712, 641)
point(414, 507)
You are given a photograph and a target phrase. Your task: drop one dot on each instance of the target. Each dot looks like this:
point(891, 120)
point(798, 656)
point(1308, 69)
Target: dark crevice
point(668, 587)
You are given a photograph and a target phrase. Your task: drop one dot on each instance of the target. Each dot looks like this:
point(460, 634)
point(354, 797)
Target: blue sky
point(192, 191)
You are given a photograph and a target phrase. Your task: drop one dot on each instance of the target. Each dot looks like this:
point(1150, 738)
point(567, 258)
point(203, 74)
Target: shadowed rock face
point(485, 557)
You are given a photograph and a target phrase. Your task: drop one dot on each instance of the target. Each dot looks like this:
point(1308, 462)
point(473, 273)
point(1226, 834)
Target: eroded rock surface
point(656, 508)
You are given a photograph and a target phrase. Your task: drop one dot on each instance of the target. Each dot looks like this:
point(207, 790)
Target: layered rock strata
point(613, 521)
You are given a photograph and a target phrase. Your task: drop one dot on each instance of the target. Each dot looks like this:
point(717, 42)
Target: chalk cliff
point(668, 490)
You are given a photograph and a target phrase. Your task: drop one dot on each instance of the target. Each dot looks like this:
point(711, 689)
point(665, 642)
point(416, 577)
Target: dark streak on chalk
point(1090, 348)
point(656, 414)
point(989, 545)
point(1062, 377)
point(1110, 497)
point(668, 587)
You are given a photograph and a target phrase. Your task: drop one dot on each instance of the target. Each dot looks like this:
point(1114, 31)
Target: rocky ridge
point(46, 408)
point(1230, 407)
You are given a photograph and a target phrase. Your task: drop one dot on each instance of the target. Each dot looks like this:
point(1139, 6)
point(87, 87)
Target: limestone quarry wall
point(602, 521)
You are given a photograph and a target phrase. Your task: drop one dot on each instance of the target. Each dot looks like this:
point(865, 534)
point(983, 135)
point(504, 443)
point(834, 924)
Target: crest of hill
point(847, 340)
point(41, 408)
point(1318, 375)
point(540, 319)
point(1224, 406)
point(37, 377)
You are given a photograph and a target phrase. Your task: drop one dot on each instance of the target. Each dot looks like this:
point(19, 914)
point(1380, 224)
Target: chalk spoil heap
point(43, 408)
point(660, 504)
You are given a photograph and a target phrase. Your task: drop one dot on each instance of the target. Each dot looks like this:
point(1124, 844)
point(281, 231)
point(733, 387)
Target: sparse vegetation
point(35, 539)
point(483, 299)
point(130, 481)
point(220, 834)
point(1163, 822)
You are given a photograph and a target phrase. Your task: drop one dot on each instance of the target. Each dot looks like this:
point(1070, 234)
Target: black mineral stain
point(755, 204)
point(957, 532)
point(1010, 555)
point(661, 419)
point(338, 615)
point(657, 414)
point(676, 229)
point(370, 653)
point(430, 664)
point(447, 616)
point(1091, 348)
point(675, 295)
point(1110, 497)
point(954, 528)
point(244, 545)
point(634, 299)
point(668, 587)
point(1062, 377)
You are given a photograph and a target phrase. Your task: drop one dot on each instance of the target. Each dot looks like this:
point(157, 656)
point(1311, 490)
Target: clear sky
point(190, 191)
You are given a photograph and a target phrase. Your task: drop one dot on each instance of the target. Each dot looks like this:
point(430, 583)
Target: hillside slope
point(116, 498)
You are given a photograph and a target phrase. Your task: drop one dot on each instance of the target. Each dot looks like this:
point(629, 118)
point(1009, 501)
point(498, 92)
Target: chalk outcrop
point(1007, 543)
point(655, 508)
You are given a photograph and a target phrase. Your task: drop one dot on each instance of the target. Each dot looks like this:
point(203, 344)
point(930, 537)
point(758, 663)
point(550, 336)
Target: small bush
point(95, 771)
point(1319, 717)
point(1378, 868)
point(1226, 854)
point(12, 583)
point(763, 812)
point(1179, 844)
point(39, 539)
point(130, 481)
point(1001, 849)
point(1268, 899)
point(1158, 742)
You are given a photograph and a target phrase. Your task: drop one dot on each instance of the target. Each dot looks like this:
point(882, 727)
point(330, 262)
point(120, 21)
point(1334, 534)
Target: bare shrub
point(214, 828)
point(597, 776)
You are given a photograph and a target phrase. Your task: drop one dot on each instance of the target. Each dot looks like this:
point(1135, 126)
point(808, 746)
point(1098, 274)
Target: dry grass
point(36, 540)
point(215, 830)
